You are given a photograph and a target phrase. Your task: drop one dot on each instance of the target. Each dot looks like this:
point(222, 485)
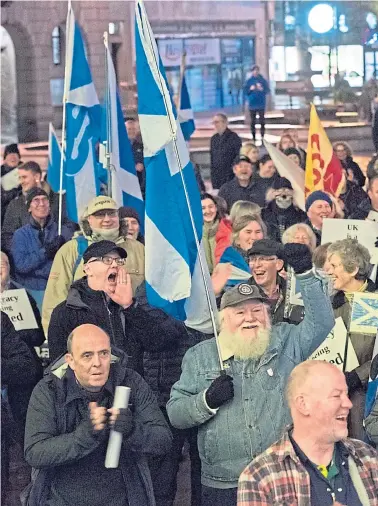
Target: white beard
point(247, 348)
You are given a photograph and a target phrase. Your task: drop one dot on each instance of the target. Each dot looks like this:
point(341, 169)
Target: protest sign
point(332, 350)
point(365, 231)
point(16, 305)
point(364, 318)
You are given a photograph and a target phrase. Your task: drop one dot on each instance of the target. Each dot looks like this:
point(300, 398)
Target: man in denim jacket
point(241, 411)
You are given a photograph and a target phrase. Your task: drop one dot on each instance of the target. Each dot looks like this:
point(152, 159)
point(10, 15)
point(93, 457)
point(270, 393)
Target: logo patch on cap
point(245, 289)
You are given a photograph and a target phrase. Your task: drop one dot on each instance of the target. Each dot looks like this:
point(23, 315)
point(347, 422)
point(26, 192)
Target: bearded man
point(239, 408)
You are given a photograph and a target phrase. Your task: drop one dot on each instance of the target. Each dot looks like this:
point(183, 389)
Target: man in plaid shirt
point(314, 463)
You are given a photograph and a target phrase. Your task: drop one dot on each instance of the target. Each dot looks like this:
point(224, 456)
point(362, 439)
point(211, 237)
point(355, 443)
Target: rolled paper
point(121, 401)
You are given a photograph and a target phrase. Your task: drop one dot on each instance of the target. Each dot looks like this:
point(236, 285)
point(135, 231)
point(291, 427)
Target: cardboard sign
point(364, 318)
point(10, 180)
point(365, 231)
point(332, 350)
point(372, 216)
point(15, 303)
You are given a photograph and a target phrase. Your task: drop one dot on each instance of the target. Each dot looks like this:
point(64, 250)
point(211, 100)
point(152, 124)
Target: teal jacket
point(244, 427)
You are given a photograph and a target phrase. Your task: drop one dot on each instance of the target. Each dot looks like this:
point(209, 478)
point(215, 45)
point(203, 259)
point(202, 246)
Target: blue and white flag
point(240, 269)
point(125, 188)
point(174, 281)
point(83, 122)
point(372, 389)
point(185, 113)
point(53, 168)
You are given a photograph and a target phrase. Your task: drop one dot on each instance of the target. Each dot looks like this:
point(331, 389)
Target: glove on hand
point(53, 246)
point(124, 422)
point(220, 391)
point(353, 381)
point(298, 256)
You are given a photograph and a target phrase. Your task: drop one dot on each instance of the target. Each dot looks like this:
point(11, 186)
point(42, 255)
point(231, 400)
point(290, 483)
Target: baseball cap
point(99, 204)
point(102, 248)
point(266, 248)
point(238, 294)
point(241, 158)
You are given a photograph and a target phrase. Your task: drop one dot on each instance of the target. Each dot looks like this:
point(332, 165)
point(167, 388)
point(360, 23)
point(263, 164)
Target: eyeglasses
point(109, 260)
point(105, 212)
point(264, 260)
point(39, 202)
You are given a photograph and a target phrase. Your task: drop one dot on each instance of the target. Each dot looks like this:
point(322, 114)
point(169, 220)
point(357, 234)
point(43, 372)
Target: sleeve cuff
point(210, 410)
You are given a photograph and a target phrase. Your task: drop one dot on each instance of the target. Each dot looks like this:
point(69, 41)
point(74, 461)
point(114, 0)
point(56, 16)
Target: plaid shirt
point(277, 477)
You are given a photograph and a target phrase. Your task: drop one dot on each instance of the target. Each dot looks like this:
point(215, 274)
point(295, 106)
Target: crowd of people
point(264, 425)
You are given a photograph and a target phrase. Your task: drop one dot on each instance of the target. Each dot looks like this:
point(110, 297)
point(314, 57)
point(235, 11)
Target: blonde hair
point(289, 234)
point(242, 208)
point(241, 222)
point(247, 147)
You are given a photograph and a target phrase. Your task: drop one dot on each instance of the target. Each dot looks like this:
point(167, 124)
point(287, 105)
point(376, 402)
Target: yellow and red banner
point(323, 168)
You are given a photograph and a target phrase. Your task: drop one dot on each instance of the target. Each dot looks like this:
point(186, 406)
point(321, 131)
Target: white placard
point(332, 350)
point(10, 180)
point(365, 231)
point(295, 291)
point(16, 304)
point(372, 216)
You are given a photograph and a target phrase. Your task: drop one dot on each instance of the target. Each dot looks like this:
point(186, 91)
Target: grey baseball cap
point(240, 293)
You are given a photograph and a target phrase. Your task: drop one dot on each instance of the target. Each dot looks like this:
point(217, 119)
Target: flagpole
point(199, 251)
point(108, 143)
point(62, 157)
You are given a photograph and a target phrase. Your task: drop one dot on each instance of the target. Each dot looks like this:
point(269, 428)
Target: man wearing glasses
point(104, 297)
point(99, 222)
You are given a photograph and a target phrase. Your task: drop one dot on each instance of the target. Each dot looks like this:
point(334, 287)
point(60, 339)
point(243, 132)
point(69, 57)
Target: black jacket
point(223, 151)
point(7, 195)
point(281, 219)
point(254, 192)
point(352, 197)
point(362, 211)
point(59, 436)
point(318, 233)
point(349, 163)
point(129, 329)
point(163, 368)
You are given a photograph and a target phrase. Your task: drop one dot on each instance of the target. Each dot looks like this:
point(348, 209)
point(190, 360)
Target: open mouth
point(249, 327)
point(259, 274)
point(112, 277)
point(342, 418)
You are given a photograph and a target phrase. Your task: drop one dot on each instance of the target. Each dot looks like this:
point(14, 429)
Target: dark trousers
point(219, 496)
point(254, 113)
point(164, 470)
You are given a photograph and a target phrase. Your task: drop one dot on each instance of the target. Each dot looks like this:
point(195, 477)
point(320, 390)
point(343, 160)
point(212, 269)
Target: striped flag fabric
point(83, 124)
point(372, 389)
point(185, 112)
point(53, 167)
point(240, 269)
point(174, 281)
point(125, 188)
point(323, 168)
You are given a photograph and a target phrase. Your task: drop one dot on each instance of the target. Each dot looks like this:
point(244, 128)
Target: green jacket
point(208, 241)
point(61, 274)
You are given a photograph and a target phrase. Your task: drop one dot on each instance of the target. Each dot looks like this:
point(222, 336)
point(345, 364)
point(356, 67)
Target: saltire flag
point(323, 168)
point(53, 167)
point(287, 168)
point(372, 389)
point(240, 269)
point(185, 112)
point(83, 123)
point(174, 281)
point(125, 188)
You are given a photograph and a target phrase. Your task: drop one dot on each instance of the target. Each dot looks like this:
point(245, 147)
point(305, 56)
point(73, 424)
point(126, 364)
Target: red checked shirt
point(277, 476)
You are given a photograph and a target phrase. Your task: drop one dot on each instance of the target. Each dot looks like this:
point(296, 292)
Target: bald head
point(83, 331)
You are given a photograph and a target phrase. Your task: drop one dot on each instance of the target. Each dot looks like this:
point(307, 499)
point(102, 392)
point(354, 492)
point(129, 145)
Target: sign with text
point(202, 51)
point(364, 318)
point(365, 231)
point(332, 350)
point(170, 51)
point(15, 303)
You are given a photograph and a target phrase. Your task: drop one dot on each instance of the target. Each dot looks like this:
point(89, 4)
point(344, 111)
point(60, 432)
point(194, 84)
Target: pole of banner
point(108, 142)
point(182, 75)
point(179, 163)
point(67, 75)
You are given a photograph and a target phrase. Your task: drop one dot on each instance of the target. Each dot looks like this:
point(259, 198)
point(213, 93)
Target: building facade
point(222, 39)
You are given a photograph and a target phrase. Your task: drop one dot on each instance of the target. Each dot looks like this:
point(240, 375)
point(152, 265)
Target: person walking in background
point(255, 90)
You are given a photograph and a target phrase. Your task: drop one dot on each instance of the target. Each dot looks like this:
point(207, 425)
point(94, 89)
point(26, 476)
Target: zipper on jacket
point(110, 317)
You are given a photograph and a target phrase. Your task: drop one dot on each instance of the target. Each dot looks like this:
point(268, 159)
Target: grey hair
point(243, 207)
point(241, 222)
point(352, 255)
point(289, 234)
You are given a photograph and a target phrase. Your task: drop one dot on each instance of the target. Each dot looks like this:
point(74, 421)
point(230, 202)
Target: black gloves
point(124, 422)
point(353, 381)
point(220, 391)
point(298, 256)
point(53, 246)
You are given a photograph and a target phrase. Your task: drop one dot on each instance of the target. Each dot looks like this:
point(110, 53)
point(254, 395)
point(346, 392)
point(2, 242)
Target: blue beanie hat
point(317, 195)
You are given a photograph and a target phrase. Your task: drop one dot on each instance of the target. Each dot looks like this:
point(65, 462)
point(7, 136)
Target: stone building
point(222, 40)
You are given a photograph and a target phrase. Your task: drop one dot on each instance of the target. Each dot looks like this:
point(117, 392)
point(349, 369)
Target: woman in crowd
point(211, 219)
point(300, 233)
point(286, 142)
point(250, 150)
point(348, 265)
point(344, 154)
point(294, 155)
point(223, 236)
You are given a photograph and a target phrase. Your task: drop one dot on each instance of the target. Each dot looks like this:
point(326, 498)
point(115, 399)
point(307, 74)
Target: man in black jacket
point(369, 205)
point(224, 147)
point(69, 417)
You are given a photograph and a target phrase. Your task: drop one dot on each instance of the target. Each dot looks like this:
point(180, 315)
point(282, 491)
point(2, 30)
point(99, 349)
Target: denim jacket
point(242, 428)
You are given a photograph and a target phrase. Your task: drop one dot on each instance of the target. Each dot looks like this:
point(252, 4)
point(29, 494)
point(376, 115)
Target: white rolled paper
point(121, 400)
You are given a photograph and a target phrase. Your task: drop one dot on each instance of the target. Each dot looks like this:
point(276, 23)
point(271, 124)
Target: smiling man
point(314, 462)
point(68, 421)
point(239, 409)
point(318, 207)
